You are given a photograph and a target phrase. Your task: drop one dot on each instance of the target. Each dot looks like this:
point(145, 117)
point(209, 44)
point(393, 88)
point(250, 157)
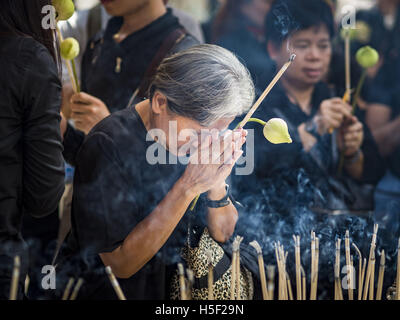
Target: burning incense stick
point(360, 260)
point(115, 284)
point(312, 265)
point(347, 63)
point(280, 271)
point(257, 104)
point(76, 289)
point(303, 280)
point(182, 281)
point(267, 90)
point(369, 268)
point(380, 277)
point(68, 288)
point(348, 265)
point(298, 265)
point(398, 273)
point(15, 278)
point(261, 268)
point(233, 269)
point(271, 281)
point(210, 275)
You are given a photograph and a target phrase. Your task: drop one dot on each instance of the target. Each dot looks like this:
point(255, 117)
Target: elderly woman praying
point(140, 169)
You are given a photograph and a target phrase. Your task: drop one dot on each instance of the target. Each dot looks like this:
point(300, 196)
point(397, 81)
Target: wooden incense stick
point(26, 285)
point(348, 265)
point(76, 289)
point(298, 265)
point(303, 284)
point(267, 91)
point(235, 248)
point(381, 276)
point(210, 275)
point(271, 282)
point(338, 287)
point(289, 286)
point(347, 63)
point(316, 268)
point(280, 272)
point(182, 281)
point(68, 288)
point(261, 269)
point(369, 268)
point(285, 287)
point(372, 278)
point(15, 278)
point(360, 260)
point(115, 284)
point(398, 272)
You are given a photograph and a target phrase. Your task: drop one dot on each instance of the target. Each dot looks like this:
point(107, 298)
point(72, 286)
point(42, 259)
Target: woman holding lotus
point(31, 162)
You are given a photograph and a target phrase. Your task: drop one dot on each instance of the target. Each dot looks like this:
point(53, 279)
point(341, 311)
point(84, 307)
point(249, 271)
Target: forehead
point(315, 33)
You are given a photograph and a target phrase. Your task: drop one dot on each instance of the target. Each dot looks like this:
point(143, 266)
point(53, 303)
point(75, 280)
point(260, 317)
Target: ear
point(159, 103)
point(272, 50)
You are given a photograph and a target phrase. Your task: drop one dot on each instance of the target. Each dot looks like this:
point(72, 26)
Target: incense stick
point(338, 287)
point(360, 260)
point(67, 289)
point(289, 287)
point(261, 268)
point(312, 265)
point(210, 275)
point(115, 284)
point(372, 278)
point(348, 265)
point(303, 279)
point(233, 270)
point(381, 276)
point(182, 281)
point(15, 278)
point(267, 91)
point(298, 271)
point(369, 268)
point(239, 241)
point(76, 289)
point(271, 282)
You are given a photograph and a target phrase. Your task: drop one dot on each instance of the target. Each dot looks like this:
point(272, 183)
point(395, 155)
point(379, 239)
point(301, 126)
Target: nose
point(313, 53)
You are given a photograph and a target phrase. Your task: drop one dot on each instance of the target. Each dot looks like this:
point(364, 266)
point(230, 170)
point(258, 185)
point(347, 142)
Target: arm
point(43, 164)
point(146, 239)
point(386, 132)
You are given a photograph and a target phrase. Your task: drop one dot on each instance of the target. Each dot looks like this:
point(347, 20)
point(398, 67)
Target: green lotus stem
point(354, 108)
point(78, 87)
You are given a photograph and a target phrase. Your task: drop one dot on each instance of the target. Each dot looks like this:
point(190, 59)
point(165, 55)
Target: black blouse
point(31, 161)
point(115, 188)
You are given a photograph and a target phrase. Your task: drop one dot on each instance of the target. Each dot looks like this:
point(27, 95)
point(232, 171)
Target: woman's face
point(313, 51)
point(179, 132)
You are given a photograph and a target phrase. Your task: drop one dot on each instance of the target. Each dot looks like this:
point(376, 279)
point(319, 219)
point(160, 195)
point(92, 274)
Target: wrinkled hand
point(332, 113)
point(208, 169)
point(351, 136)
point(87, 111)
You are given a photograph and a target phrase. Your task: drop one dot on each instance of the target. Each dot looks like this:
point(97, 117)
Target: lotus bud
point(64, 8)
point(363, 32)
point(69, 49)
point(276, 131)
point(367, 57)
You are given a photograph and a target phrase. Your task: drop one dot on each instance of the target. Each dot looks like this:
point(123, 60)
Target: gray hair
point(205, 83)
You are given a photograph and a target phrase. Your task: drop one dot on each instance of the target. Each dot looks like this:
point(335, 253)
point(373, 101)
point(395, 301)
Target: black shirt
point(31, 162)
point(115, 188)
point(292, 177)
point(101, 77)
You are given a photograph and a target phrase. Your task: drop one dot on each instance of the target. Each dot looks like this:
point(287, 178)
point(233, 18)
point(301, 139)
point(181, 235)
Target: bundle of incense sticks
point(68, 288)
point(76, 289)
point(281, 256)
point(338, 286)
point(271, 282)
point(348, 266)
point(314, 266)
point(261, 268)
point(235, 269)
point(370, 275)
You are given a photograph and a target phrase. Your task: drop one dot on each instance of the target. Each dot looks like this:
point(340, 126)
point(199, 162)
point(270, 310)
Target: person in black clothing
point(116, 63)
point(239, 27)
point(312, 111)
point(130, 203)
point(31, 162)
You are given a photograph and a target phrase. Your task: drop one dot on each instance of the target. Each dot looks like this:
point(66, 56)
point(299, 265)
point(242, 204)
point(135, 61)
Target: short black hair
point(288, 16)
